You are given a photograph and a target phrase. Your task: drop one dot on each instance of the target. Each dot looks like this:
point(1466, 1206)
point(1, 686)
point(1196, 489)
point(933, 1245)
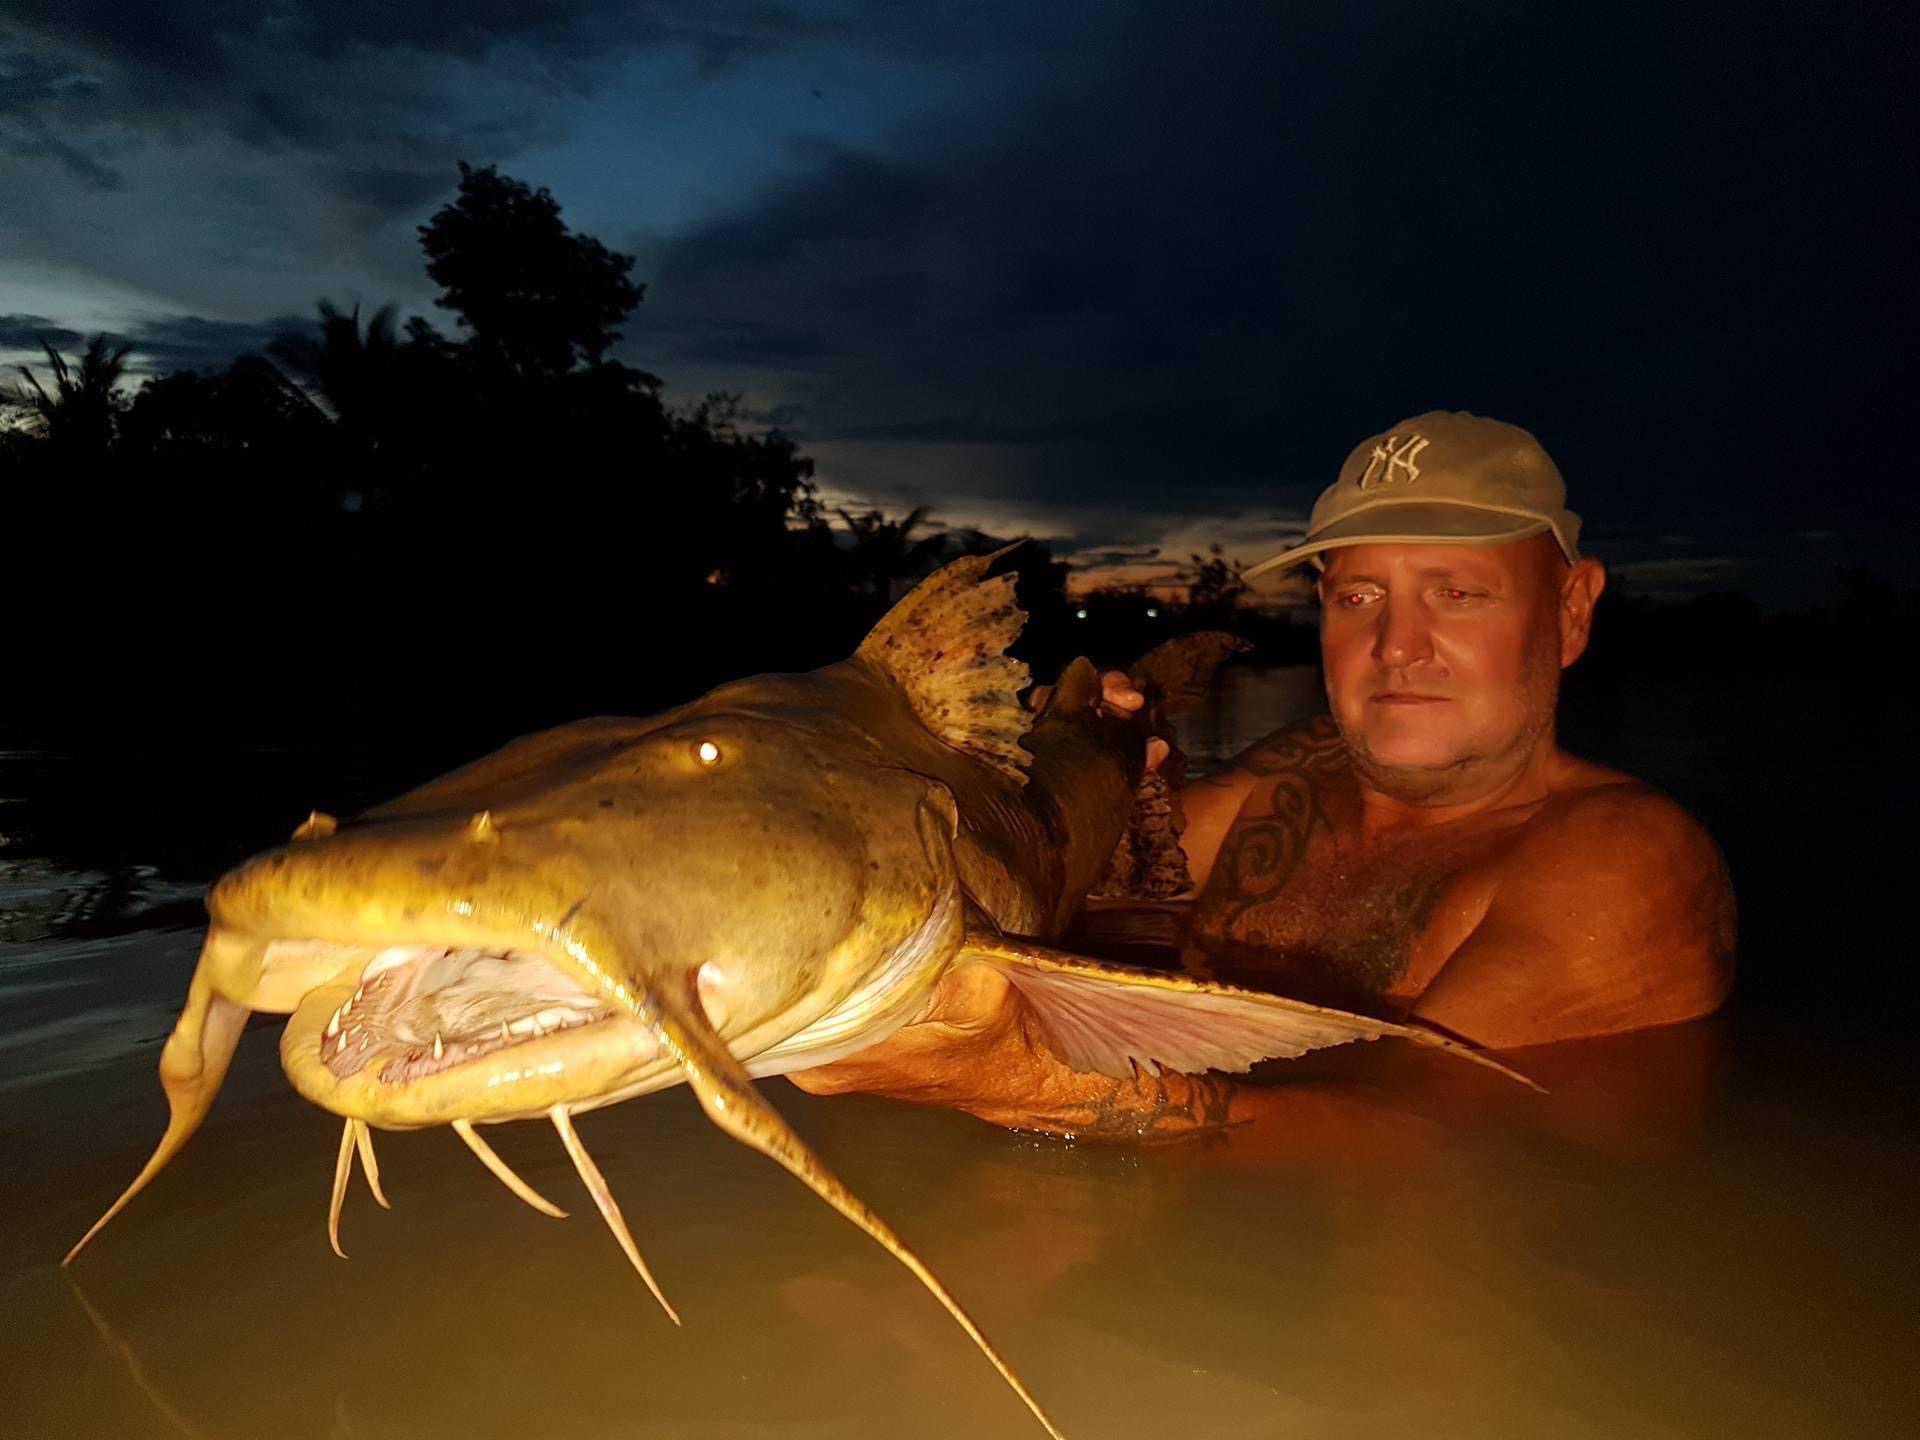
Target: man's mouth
point(1406, 697)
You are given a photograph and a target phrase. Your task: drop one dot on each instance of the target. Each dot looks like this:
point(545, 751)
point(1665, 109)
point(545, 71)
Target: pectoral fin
point(1112, 1018)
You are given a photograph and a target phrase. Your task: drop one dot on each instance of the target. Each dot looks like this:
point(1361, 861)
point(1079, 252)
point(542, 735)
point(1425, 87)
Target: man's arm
point(977, 1048)
point(1614, 913)
point(1209, 806)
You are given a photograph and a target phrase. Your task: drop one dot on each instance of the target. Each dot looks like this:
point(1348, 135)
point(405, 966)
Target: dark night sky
point(1129, 276)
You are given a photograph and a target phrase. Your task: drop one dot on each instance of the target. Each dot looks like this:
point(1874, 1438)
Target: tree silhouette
point(378, 508)
point(536, 300)
point(249, 410)
point(1213, 583)
point(82, 411)
point(884, 550)
point(355, 373)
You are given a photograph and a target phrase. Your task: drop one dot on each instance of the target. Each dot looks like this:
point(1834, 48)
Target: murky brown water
point(1703, 1231)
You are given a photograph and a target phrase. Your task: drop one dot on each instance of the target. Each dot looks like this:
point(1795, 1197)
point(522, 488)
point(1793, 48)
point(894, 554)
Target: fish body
point(771, 877)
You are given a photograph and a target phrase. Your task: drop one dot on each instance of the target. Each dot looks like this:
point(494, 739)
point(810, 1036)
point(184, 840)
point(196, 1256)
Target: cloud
point(275, 75)
point(234, 160)
point(29, 86)
point(157, 344)
point(746, 340)
point(231, 159)
point(1128, 277)
point(192, 342)
point(1207, 263)
point(1113, 557)
point(29, 332)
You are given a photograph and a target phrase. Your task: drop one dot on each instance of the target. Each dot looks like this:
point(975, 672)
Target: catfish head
point(510, 938)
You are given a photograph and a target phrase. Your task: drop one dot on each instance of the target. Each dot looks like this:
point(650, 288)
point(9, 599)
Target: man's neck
point(1426, 801)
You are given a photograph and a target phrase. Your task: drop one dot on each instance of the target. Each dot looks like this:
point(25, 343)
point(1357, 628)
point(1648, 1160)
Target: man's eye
point(1457, 595)
point(1353, 599)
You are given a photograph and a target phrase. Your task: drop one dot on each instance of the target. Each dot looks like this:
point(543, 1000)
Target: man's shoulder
point(1311, 745)
point(1613, 911)
point(1617, 824)
point(1626, 866)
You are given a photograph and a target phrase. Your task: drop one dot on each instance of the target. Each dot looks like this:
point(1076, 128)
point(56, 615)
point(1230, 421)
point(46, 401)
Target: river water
point(1701, 1231)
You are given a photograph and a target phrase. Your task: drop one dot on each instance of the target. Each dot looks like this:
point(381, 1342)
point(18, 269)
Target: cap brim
point(1407, 524)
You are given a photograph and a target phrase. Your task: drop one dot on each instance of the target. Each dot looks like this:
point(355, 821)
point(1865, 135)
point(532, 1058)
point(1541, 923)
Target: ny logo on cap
point(1392, 462)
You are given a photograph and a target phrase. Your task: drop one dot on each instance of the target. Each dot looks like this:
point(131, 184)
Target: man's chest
point(1290, 907)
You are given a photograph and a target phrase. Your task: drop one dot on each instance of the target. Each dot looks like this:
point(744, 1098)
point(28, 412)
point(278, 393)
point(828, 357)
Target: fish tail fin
point(728, 1095)
point(1178, 674)
point(1173, 677)
point(192, 1065)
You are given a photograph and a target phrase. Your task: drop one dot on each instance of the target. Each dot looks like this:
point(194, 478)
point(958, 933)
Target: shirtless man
point(1428, 849)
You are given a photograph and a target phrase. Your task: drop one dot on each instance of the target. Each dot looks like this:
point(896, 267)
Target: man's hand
point(1116, 694)
point(967, 1048)
point(1117, 697)
point(970, 1027)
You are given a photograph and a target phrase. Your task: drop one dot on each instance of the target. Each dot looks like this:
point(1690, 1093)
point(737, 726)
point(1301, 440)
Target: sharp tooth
point(362, 990)
point(522, 1026)
point(333, 1025)
point(363, 1043)
point(438, 1048)
point(386, 959)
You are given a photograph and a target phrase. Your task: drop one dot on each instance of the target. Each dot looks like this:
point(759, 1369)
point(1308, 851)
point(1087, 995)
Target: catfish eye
point(707, 753)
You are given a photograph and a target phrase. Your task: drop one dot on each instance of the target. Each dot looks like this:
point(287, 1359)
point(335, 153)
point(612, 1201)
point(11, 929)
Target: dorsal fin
point(945, 644)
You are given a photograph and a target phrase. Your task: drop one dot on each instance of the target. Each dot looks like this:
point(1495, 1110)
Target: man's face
point(1443, 661)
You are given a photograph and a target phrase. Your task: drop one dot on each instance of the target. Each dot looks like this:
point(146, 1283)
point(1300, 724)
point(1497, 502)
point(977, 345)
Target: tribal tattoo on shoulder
point(1265, 845)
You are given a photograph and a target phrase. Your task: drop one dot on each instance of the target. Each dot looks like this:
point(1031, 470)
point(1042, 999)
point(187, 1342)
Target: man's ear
point(1580, 591)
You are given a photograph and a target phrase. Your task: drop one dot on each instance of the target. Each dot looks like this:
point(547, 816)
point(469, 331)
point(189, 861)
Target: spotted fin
point(945, 645)
point(1113, 1018)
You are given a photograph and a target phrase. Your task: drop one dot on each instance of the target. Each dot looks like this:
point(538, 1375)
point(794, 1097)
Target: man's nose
point(1403, 638)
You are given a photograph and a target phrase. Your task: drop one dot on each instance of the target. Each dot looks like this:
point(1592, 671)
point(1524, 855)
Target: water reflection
point(40, 900)
point(1387, 1258)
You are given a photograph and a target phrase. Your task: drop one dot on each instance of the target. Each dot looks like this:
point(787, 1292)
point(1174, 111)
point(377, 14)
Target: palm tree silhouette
point(352, 375)
point(85, 403)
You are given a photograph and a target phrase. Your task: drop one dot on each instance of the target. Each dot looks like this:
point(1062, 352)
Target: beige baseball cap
point(1445, 477)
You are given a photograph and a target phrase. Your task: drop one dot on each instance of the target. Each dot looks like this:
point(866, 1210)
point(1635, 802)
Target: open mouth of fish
point(420, 1010)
